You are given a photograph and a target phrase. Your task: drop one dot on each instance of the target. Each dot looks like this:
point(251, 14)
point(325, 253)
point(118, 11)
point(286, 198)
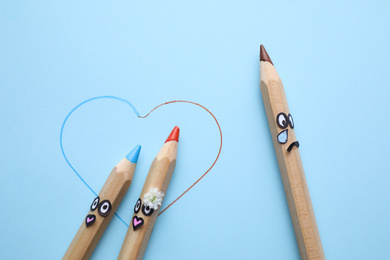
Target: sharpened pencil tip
point(264, 55)
point(174, 135)
point(133, 155)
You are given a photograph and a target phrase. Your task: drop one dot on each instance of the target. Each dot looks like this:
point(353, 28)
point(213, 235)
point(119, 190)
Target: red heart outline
point(216, 159)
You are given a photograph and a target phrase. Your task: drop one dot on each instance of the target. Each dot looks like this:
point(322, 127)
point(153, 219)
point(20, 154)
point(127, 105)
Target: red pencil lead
point(264, 55)
point(174, 135)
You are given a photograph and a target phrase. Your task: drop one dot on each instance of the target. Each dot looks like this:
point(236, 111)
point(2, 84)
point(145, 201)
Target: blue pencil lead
point(133, 155)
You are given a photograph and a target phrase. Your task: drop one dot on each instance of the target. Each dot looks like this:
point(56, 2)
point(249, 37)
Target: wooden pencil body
point(159, 176)
point(290, 166)
point(113, 190)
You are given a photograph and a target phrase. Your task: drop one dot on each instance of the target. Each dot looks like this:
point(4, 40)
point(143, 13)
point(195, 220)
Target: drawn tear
point(283, 136)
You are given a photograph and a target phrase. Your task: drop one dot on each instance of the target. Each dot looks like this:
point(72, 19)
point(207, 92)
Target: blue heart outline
point(62, 130)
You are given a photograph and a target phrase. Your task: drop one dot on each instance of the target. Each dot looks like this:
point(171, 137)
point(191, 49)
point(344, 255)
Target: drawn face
point(137, 222)
point(103, 208)
point(284, 121)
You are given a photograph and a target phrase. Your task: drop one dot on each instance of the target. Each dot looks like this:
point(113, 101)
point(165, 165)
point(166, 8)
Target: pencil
point(286, 146)
point(147, 206)
point(103, 208)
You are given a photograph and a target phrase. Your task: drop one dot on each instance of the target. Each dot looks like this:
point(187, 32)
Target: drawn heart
point(137, 222)
point(139, 116)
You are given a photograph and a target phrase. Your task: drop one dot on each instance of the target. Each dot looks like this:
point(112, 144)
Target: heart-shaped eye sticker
point(104, 211)
point(137, 222)
point(90, 219)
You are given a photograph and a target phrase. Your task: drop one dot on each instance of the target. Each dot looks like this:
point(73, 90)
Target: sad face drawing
point(284, 121)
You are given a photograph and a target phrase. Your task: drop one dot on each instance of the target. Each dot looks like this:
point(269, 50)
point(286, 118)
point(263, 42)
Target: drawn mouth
point(290, 147)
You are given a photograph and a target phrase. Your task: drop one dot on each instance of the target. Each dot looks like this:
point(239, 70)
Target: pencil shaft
point(290, 166)
point(159, 176)
point(113, 190)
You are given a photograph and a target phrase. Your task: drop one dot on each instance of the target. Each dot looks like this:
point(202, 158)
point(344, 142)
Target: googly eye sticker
point(290, 121)
point(137, 222)
point(90, 219)
point(137, 205)
point(104, 208)
point(282, 120)
point(147, 210)
point(95, 203)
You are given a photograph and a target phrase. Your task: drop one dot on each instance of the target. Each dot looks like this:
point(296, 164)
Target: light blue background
point(333, 58)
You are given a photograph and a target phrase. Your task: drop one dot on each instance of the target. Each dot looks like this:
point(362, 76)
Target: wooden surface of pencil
point(286, 146)
point(103, 208)
point(147, 206)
